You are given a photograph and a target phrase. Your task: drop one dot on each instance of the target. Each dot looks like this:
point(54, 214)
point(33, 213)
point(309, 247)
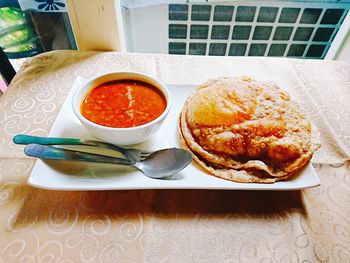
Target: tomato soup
point(123, 103)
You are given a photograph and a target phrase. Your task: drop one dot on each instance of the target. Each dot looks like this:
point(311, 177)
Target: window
point(300, 29)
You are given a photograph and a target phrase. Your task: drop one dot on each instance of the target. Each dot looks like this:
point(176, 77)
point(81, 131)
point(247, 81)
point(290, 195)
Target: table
point(175, 225)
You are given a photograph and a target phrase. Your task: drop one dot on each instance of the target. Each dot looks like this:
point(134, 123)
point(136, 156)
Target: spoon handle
point(48, 152)
point(28, 139)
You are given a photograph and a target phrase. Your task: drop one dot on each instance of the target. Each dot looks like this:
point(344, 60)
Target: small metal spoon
point(158, 165)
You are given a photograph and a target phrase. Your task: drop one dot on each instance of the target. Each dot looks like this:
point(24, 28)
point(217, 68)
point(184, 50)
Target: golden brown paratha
point(246, 131)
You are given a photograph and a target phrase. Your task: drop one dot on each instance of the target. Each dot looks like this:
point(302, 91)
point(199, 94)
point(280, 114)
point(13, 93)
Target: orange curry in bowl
point(123, 104)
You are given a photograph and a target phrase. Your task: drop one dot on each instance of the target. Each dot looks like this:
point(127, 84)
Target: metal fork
point(134, 155)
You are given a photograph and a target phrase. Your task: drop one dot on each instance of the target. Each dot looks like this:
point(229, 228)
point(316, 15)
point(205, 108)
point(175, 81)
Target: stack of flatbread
point(243, 130)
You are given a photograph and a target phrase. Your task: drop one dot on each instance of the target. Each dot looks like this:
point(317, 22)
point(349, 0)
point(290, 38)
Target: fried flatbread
point(243, 130)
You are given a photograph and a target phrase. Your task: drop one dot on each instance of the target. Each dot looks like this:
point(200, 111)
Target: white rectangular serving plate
point(68, 175)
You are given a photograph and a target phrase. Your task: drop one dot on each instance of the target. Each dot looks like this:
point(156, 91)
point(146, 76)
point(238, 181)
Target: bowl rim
point(164, 90)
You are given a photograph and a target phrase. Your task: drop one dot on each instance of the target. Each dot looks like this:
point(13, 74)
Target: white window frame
point(98, 25)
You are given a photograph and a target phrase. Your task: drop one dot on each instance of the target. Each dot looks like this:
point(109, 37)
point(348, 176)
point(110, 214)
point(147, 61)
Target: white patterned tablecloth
point(175, 225)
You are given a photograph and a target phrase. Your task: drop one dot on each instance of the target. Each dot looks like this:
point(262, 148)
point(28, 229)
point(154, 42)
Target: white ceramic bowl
point(120, 136)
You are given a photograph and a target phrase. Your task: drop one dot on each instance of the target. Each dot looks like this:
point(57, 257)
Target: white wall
point(344, 52)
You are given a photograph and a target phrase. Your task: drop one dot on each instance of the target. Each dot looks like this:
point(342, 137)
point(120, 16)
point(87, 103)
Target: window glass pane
point(199, 32)
point(220, 32)
point(332, 16)
point(267, 14)
point(177, 48)
point(245, 13)
point(200, 12)
point(283, 33)
point(28, 28)
point(223, 13)
point(257, 49)
point(310, 15)
point(178, 12)
point(262, 32)
point(197, 48)
point(315, 51)
point(323, 34)
point(241, 32)
point(277, 50)
point(303, 33)
point(217, 49)
point(237, 49)
point(296, 50)
point(177, 31)
point(289, 15)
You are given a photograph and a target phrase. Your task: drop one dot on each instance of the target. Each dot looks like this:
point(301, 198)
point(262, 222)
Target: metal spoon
point(158, 165)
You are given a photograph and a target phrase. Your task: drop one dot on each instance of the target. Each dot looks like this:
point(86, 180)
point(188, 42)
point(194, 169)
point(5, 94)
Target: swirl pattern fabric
point(175, 225)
